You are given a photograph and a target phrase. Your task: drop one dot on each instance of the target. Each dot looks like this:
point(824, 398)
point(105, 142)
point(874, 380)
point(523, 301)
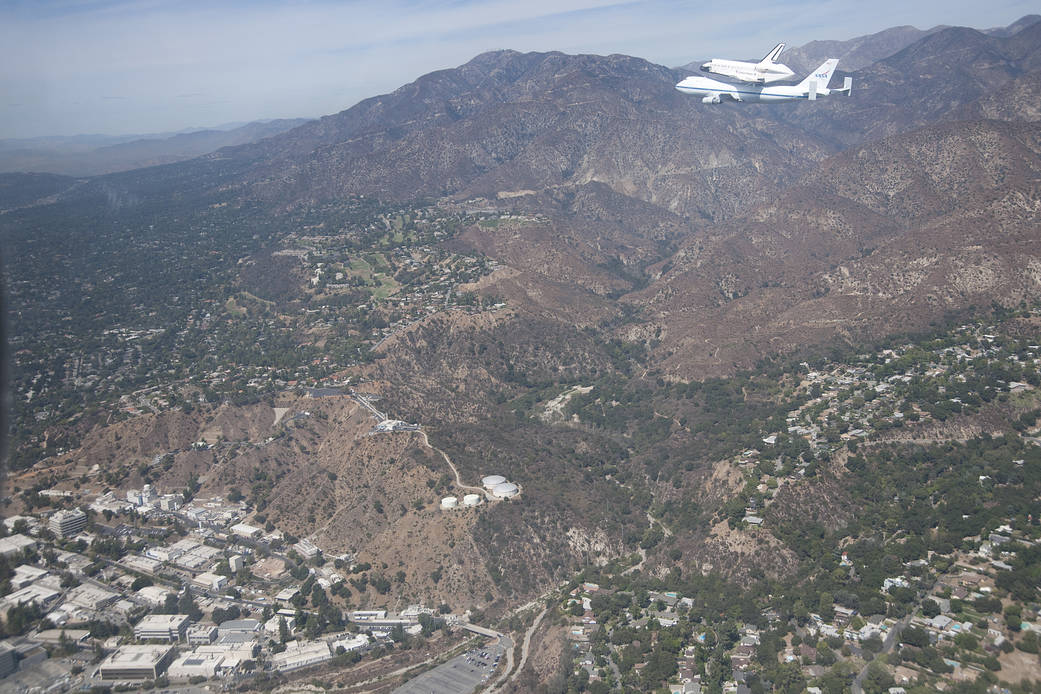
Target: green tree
point(878, 679)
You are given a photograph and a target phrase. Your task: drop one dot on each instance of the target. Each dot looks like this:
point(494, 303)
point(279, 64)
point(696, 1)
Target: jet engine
point(714, 99)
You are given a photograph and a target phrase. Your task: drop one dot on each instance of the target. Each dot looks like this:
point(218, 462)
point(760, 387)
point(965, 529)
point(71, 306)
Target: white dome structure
point(505, 490)
point(491, 481)
point(472, 500)
point(449, 502)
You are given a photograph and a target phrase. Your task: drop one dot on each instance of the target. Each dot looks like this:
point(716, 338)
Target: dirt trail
point(639, 565)
point(458, 480)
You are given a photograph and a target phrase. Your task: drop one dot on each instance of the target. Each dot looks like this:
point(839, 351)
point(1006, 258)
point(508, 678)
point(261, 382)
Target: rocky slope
point(883, 237)
point(929, 81)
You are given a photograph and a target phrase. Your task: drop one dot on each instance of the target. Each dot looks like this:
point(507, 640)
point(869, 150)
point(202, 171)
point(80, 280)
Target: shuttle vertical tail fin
point(773, 55)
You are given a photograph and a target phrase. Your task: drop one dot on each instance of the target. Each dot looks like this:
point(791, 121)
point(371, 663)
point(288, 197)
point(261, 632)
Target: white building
point(245, 530)
point(162, 627)
point(235, 563)
point(272, 626)
point(137, 662)
point(30, 521)
point(26, 574)
point(239, 626)
point(897, 581)
point(210, 581)
point(91, 597)
point(153, 595)
point(234, 654)
point(143, 497)
point(142, 564)
point(67, 523)
point(306, 549)
point(9, 546)
point(300, 654)
point(412, 612)
point(202, 634)
point(352, 643)
point(170, 502)
point(195, 665)
point(34, 594)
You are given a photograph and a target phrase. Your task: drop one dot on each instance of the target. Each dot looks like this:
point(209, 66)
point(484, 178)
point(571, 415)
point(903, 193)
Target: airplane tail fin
point(821, 75)
point(773, 55)
point(847, 86)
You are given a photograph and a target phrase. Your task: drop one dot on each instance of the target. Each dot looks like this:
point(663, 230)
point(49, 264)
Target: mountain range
point(707, 239)
point(766, 190)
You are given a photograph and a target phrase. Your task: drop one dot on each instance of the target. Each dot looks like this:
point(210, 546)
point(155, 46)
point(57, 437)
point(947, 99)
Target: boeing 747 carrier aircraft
point(815, 85)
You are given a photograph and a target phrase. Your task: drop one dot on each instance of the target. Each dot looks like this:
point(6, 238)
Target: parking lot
point(459, 675)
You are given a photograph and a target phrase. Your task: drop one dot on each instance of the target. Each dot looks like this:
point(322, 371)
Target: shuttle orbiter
point(765, 71)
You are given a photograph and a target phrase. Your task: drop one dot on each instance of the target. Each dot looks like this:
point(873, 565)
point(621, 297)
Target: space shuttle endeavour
point(765, 71)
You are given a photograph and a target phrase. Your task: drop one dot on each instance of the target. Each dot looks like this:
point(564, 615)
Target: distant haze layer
point(123, 66)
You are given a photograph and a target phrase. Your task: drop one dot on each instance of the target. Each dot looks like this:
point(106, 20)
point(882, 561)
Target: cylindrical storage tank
point(491, 481)
point(505, 490)
point(471, 500)
point(449, 502)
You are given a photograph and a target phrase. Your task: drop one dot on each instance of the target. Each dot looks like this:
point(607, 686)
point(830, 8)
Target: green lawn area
point(361, 268)
point(388, 287)
point(232, 307)
point(375, 266)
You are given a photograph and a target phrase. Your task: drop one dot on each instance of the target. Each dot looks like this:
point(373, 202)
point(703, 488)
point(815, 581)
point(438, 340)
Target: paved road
point(892, 638)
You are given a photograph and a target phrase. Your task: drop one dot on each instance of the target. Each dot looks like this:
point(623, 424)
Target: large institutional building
point(67, 523)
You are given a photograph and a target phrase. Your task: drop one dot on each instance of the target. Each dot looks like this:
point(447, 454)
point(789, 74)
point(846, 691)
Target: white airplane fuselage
point(714, 91)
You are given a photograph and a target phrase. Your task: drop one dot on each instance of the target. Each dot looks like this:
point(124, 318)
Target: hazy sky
point(138, 66)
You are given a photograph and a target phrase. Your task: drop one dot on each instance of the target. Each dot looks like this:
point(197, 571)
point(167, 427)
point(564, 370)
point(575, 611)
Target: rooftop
point(136, 656)
point(162, 621)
